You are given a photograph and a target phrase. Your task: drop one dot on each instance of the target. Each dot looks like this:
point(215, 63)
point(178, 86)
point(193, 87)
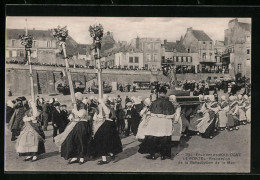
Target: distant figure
point(9, 92)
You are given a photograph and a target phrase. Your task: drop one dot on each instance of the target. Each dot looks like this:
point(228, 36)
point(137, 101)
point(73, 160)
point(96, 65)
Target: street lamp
point(61, 35)
point(26, 41)
point(96, 32)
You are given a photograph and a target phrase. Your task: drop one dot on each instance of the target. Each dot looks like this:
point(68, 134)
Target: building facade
point(197, 41)
point(238, 48)
point(44, 47)
point(151, 48)
point(130, 60)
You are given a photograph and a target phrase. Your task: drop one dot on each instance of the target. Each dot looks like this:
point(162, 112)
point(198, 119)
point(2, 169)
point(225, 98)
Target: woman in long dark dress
point(106, 140)
point(9, 111)
point(77, 136)
point(30, 142)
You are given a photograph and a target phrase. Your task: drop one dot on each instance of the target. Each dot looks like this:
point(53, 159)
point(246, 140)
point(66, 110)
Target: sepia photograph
point(127, 94)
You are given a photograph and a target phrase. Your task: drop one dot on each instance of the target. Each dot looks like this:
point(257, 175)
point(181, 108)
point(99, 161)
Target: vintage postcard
point(127, 94)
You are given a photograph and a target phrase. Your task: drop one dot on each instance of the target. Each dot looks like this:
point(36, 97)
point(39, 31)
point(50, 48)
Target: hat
point(147, 102)
point(211, 98)
point(85, 101)
point(51, 100)
point(79, 96)
point(240, 96)
point(129, 104)
point(56, 103)
point(245, 97)
point(172, 98)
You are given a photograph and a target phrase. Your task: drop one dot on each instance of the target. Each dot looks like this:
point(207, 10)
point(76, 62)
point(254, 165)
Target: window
point(136, 67)
point(204, 45)
point(174, 59)
point(136, 59)
point(190, 59)
point(148, 46)
point(210, 55)
point(21, 53)
point(188, 50)
point(146, 65)
point(239, 67)
point(210, 45)
point(185, 59)
point(248, 51)
point(148, 57)
point(131, 59)
point(131, 67)
point(7, 55)
point(177, 59)
point(204, 56)
point(155, 57)
point(181, 59)
point(48, 43)
point(13, 43)
point(14, 53)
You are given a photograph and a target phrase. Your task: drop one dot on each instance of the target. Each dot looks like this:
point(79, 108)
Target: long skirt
point(210, 130)
point(153, 144)
point(232, 121)
point(77, 142)
point(207, 124)
point(143, 127)
point(242, 114)
point(248, 115)
point(177, 130)
point(31, 140)
point(106, 140)
point(222, 119)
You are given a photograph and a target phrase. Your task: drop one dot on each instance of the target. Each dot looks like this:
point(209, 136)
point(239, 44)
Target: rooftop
point(170, 46)
point(201, 35)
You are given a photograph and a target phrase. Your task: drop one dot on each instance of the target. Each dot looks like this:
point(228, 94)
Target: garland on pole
point(96, 32)
point(61, 34)
point(26, 41)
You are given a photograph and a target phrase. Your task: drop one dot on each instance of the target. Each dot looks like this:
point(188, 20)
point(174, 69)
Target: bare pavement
point(226, 152)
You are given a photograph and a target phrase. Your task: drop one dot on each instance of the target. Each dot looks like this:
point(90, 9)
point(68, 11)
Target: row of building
point(195, 51)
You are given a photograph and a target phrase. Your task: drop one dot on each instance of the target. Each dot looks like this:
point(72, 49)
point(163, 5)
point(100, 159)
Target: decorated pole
point(26, 41)
point(61, 35)
point(96, 32)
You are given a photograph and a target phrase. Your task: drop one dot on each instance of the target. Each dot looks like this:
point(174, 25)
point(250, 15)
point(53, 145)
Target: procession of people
point(94, 127)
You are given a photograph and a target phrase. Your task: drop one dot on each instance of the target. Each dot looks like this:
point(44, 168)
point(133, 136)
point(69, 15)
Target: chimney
point(165, 41)
point(137, 42)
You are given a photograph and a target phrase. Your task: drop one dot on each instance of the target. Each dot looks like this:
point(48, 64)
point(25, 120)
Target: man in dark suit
point(45, 114)
point(57, 120)
point(64, 115)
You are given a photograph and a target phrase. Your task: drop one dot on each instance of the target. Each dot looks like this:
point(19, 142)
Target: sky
point(127, 28)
